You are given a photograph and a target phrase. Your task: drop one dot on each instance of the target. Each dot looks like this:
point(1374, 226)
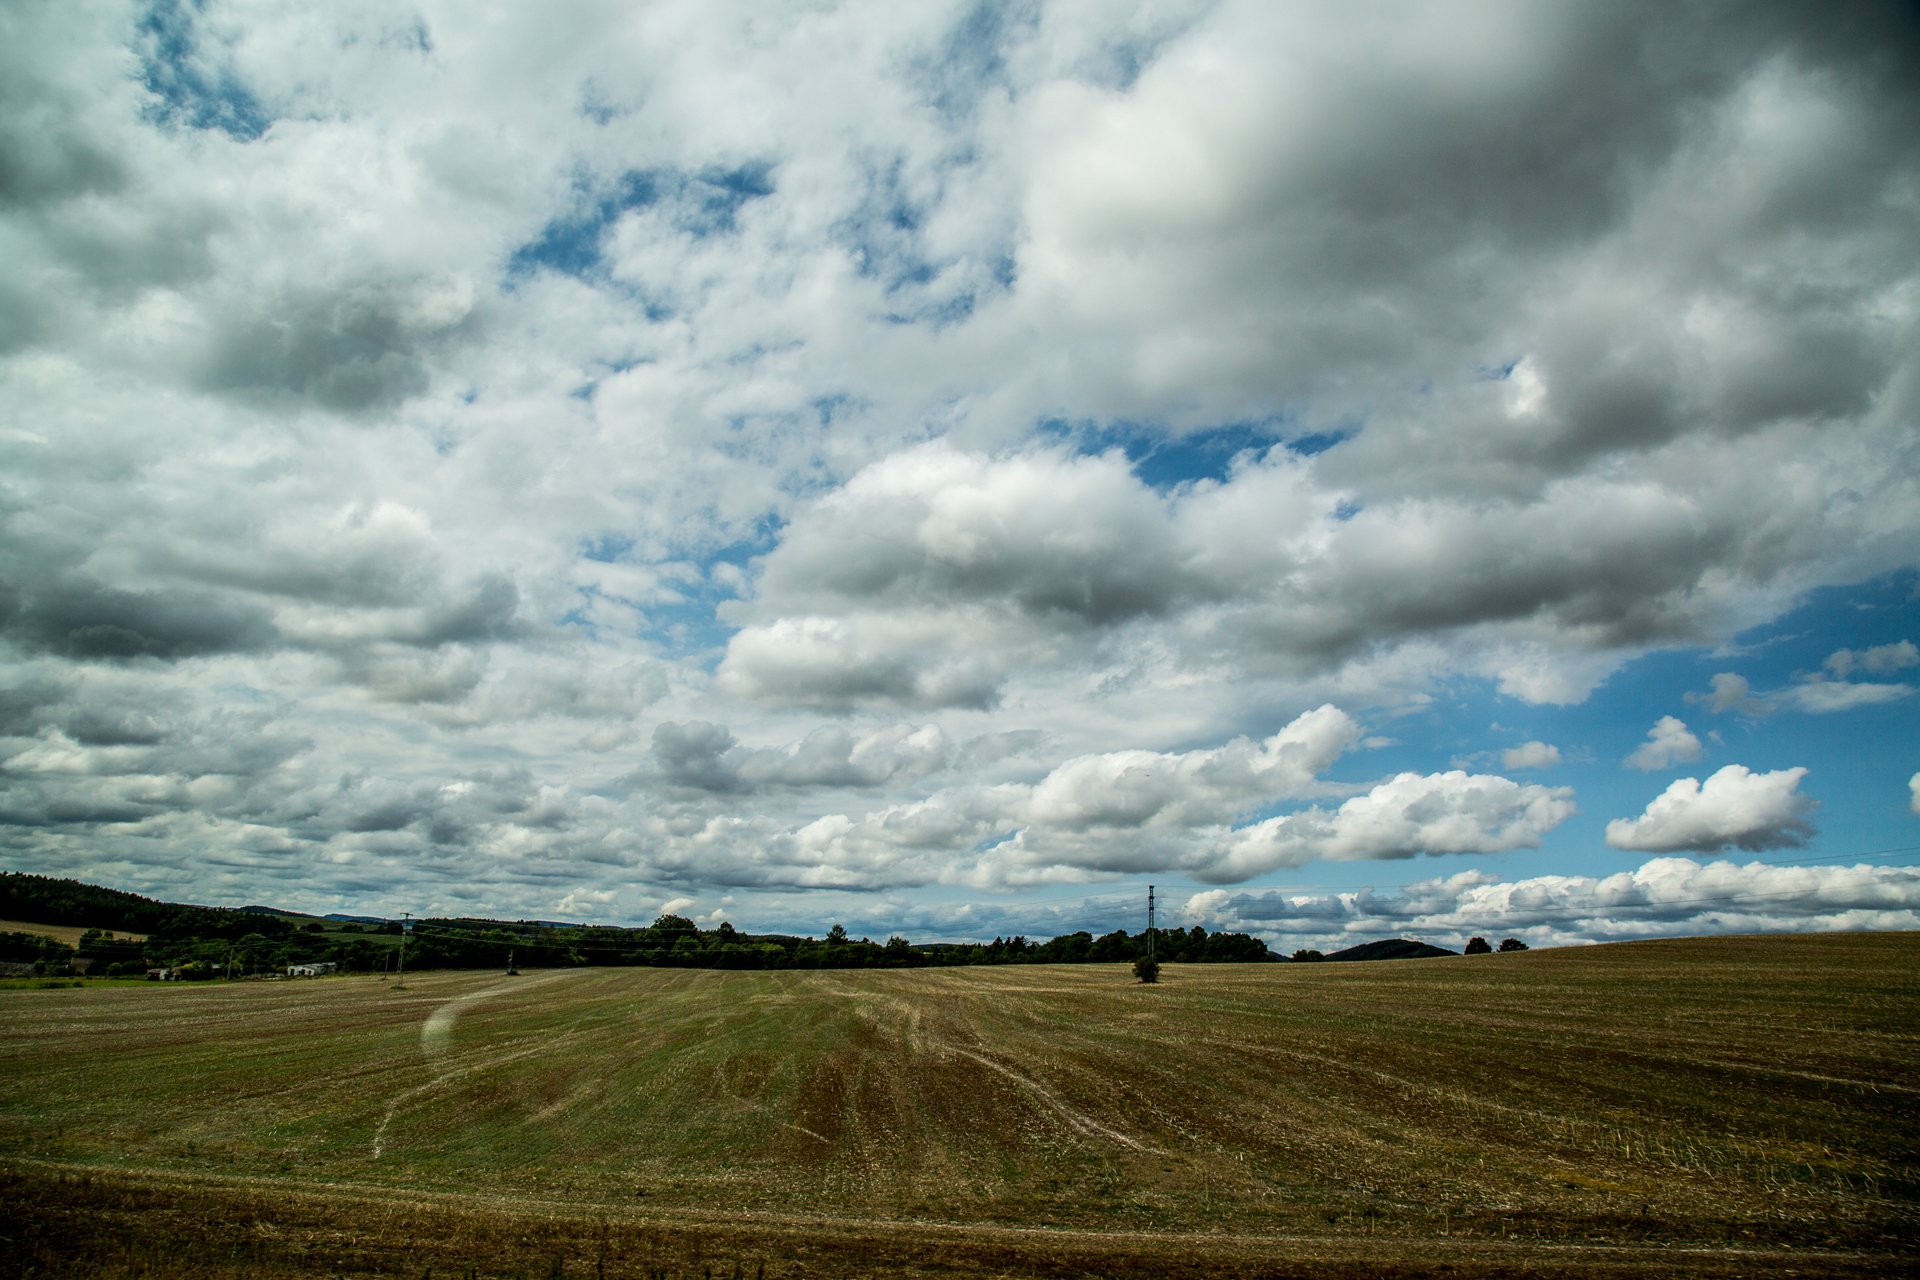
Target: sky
point(1366, 470)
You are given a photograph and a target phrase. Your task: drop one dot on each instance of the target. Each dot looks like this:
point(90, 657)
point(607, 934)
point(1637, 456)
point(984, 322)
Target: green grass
point(1756, 1090)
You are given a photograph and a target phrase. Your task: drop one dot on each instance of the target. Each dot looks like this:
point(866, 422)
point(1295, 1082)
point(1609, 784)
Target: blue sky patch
point(191, 93)
point(703, 204)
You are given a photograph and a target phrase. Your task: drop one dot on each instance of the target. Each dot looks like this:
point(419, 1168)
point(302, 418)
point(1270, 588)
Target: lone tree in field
point(1513, 944)
point(1478, 947)
point(1304, 956)
point(1147, 969)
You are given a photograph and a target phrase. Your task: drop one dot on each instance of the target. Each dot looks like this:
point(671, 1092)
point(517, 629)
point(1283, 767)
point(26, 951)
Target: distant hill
point(1392, 949)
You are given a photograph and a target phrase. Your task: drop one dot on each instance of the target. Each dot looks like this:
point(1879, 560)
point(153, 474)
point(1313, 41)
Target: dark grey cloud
point(86, 621)
point(707, 756)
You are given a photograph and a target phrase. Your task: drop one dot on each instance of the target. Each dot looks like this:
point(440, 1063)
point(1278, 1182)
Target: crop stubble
point(1701, 1106)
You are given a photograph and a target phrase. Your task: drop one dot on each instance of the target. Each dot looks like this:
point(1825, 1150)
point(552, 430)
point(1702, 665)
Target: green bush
point(1147, 969)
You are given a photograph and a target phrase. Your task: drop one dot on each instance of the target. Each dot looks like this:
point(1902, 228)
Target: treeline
point(45, 900)
point(205, 942)
point(676, 942)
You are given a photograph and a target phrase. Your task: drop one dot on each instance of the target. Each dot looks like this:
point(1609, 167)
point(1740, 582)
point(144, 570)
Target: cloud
point(1731, 693)
point(1663, 897)
point(1824, 696)
point(1668, 741)
point(1733, 807)
point(706, 756)
point(1530, 755)
point(1813, 693)
point(1878, 660)
point(1408, 815)
point(1913, 785)
point(932, 574)
point(1089, 817)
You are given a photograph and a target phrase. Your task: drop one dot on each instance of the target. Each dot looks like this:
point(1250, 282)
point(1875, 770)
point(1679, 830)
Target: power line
point(406, 927)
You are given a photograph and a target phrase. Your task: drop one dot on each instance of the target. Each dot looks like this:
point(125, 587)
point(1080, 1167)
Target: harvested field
point(1731, 1106)
point(70, 934)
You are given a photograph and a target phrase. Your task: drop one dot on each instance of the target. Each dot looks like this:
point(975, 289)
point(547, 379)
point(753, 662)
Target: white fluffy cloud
point(1090, 816)
point(1733, 807)
point(1661, 897)
point(1407, 815)
point(1668, 741)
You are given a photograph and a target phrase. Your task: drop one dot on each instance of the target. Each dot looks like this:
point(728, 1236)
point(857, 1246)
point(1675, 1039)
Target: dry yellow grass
point(67, 933)
point(1656, 1108)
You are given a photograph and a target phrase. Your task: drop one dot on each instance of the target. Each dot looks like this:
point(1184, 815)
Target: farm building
point(312, 970)
point(163, 974)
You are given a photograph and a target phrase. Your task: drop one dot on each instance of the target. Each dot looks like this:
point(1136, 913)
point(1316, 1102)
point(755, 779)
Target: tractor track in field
point(919, 1037)
point(436, 1030)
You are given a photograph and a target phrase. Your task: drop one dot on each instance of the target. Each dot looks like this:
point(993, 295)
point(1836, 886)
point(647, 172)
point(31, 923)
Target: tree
point(1147, 969)
point(1478, 947)
point(837, 936)
point(1513, 944)
point(1304, 956)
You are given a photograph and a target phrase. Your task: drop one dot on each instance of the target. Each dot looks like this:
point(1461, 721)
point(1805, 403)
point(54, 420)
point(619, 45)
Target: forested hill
point(45, 900)
point(205, 940)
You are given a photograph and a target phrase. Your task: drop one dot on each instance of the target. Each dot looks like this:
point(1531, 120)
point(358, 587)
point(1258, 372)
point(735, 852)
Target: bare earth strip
point(1703, 1107)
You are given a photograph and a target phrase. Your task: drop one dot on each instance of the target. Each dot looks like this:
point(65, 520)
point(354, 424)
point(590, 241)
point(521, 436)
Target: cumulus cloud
point(1530, 755)
point(1913, 785)
point(1668, 741)
point(1662, 897)
point(1131, 812)
point(1089, 817)
point(1408, 815)
point(1733, 807)
point(932, 573)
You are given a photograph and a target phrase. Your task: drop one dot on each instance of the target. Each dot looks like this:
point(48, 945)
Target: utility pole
point(406, 927)
point(1152, 935)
